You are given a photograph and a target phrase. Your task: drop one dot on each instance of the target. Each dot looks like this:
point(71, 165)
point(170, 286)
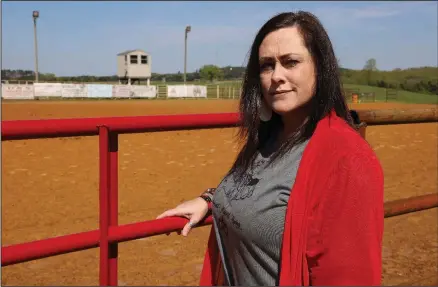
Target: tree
point(49, 77)
point(210, 73)
point(370, 66)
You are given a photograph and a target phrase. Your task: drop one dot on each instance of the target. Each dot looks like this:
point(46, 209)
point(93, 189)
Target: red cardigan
point(334, 218)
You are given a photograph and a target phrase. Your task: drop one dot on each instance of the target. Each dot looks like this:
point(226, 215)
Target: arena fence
point(107, 91)
point(110, 233)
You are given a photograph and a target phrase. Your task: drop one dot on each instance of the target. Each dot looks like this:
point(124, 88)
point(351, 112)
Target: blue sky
point(78, 38)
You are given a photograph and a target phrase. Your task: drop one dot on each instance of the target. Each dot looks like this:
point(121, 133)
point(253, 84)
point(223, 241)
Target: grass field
point(402, 96)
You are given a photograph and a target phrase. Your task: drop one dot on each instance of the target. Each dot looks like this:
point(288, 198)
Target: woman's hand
point(194, 210)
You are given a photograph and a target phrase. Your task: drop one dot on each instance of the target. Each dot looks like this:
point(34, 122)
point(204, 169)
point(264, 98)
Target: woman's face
point(287, 71)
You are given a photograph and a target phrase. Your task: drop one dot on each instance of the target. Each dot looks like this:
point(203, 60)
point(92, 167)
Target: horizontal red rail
point(24, 252)
point(132, 231)
point(49, 247)
point(28, 251)
point(411, 204)
point(28, 129)
point(398, 116)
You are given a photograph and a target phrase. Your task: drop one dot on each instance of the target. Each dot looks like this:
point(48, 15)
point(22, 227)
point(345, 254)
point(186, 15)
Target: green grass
point(402, 96)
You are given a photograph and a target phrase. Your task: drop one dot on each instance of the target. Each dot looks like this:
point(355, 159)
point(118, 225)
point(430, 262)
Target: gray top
point(249, 218)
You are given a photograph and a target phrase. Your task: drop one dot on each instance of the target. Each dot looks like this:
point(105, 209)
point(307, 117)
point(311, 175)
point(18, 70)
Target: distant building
point(133, 66)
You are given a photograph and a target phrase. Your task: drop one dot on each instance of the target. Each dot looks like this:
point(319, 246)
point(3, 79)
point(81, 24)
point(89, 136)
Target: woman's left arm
point(345, 239)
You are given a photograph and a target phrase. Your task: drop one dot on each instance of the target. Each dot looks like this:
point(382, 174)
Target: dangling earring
point(265, 112)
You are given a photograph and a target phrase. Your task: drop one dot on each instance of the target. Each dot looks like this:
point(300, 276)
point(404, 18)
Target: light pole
point(188, 29)
point(35, 15)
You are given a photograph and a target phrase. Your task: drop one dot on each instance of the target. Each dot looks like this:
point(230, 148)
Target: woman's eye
point(291, 63)
point(266, 67)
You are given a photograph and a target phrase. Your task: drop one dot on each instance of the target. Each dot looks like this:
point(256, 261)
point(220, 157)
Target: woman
point(303, 202)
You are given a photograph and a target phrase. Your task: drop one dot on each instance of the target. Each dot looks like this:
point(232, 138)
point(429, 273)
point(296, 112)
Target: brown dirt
point(50, 188)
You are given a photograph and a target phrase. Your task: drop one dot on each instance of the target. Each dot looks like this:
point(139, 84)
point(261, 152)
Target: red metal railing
point(110, 233)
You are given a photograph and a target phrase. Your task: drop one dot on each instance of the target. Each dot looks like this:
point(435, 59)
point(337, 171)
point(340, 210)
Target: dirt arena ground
point(50, 188)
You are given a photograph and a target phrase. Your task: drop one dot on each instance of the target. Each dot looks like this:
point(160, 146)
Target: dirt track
point(50, 188)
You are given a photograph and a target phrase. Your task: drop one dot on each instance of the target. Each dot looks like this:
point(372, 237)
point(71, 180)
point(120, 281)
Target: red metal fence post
point(114, 202)
point(103, 205)
point(108, 204)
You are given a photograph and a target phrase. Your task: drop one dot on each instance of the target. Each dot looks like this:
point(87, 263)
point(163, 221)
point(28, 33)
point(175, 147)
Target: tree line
point(421, 80)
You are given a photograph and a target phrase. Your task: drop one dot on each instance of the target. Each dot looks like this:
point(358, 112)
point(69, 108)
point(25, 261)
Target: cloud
point(389, 9)
point(168, 35)
point(374, 12)
point(221, 34)
point(351, 16)
point(340, 16)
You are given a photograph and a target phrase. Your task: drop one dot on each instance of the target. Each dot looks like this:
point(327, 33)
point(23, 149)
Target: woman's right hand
point(194, 210)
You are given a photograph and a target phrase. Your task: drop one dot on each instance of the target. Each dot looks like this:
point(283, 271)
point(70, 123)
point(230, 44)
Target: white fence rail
point(103, 91)
point(188, 91)
point(50, 90)
point(19, 92)
point(74, 91)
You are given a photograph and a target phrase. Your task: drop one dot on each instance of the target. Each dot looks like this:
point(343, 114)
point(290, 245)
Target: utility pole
point(35, 15)
point(188, 29)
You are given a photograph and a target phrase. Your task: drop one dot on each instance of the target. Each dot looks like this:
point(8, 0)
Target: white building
point(132, 66)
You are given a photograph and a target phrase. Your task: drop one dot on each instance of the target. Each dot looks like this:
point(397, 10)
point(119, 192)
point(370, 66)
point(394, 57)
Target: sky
point(84, 38)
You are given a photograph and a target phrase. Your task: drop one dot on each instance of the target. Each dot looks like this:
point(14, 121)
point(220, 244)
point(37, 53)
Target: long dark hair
point(328, 90)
